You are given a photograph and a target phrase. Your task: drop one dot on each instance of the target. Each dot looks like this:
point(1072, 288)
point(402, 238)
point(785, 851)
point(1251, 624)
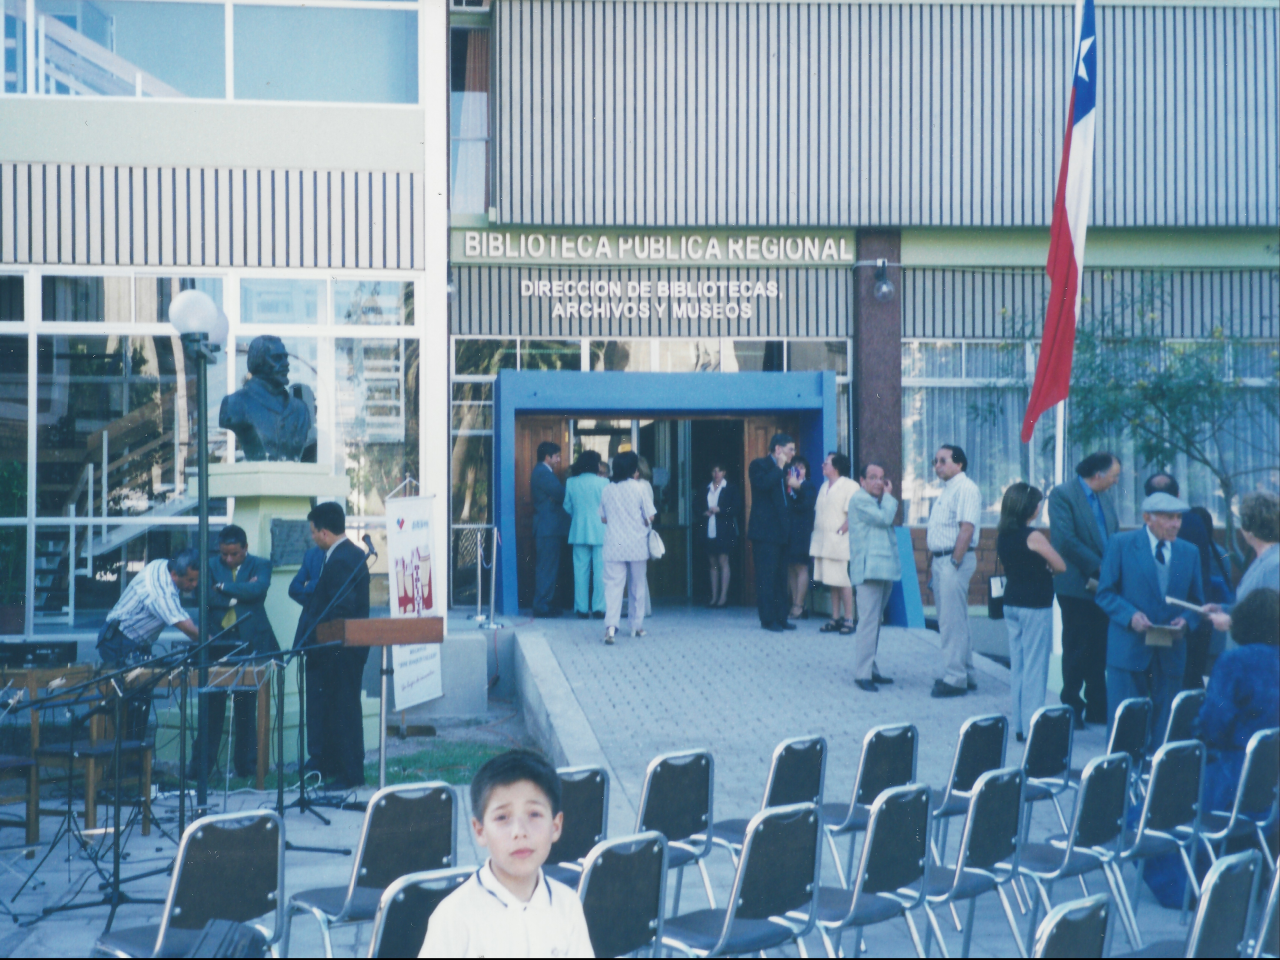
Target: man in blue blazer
point(238, 585)
point(768, 529)
point(550, 528)
point(1140, 569)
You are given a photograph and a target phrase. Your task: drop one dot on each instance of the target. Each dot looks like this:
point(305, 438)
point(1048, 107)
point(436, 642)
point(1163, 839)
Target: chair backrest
point(1048, 753)
point(778, 869)
point(1268, 943)
point(1103, 801)
point(1173, 796)
point(623, 891)
point(895, 852)
point(584, 800)
point(888, 760)
point(407, 829)
point(1261, 774)
point(1130, 729)
point(676, 799)
point(229, 867)
point(796, 772)
point(1182, 716)
point(400, 925)
point(994, 822)
point(1077, 928)
point(1226, 899)
point(980, 748)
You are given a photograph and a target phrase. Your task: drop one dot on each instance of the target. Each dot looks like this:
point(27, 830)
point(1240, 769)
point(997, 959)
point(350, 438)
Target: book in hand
point(1161, 635)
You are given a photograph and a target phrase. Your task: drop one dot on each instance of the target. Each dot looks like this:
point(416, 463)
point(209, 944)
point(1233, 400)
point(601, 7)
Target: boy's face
point(518, 829)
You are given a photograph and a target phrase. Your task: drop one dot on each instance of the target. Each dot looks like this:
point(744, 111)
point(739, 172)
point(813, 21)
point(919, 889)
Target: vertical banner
point(416, 677)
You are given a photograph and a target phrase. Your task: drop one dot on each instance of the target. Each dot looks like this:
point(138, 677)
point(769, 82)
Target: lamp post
point(203, 328)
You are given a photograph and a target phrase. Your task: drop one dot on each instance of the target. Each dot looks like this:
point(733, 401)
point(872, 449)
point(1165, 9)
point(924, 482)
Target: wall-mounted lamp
point(883, 289)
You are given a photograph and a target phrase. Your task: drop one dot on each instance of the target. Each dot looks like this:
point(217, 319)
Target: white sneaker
point(639, 633)
point(609, 634)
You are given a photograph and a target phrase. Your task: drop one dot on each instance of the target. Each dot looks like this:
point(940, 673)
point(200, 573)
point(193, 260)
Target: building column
point(877, 358)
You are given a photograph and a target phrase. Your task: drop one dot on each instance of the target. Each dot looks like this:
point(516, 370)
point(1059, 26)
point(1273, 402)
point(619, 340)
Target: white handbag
point(656, 547)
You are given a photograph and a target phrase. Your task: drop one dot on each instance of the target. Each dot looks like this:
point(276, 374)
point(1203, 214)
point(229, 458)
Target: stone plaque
point(290, 539)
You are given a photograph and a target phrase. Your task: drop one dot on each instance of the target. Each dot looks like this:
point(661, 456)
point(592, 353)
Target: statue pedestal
point(275, 490)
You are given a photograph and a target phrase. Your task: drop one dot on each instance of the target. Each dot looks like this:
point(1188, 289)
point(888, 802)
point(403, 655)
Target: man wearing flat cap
point(1140, 570)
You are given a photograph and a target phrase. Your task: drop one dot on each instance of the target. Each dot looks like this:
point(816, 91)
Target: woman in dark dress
point(722, 505)
point(802, 500)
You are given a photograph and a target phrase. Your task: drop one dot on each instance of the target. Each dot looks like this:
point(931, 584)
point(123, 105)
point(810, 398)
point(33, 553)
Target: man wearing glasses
point(952, 539)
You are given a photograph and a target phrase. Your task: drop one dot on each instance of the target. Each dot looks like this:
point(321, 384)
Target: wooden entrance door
point(756, 433)
point(531, 431)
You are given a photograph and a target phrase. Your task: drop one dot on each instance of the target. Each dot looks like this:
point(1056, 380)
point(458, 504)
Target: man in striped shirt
point(149, 603)
point(952, 539)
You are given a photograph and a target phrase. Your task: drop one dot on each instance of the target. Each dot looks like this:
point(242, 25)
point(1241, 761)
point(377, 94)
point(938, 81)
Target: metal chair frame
point(1100, 857)
point(563, 870)
point(1137, 752)
point(790, 932)
point(1048, 788)
point(1005, 871)
point(453, 877)
point(857, 814)
point(343, 917)
point(1182, 715)
point(697, 845)
point(953, 801)
point(1267, 929)
point(1238, 819)
point(1098, 904)
point(592, 860)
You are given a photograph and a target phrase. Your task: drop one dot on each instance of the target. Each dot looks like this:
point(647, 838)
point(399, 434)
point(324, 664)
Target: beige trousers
point(951, 593)
point(872, 595)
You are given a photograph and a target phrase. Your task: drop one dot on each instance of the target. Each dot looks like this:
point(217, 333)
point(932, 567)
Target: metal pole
point(491, 624)
point(200, 342)
point(479, 572)
point(382, 724)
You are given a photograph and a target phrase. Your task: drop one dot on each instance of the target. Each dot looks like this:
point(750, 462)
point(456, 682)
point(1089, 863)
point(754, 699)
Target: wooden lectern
point(382, 632)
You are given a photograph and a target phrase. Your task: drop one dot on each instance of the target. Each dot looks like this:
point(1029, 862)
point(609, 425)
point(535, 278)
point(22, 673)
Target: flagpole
point(1059, 441)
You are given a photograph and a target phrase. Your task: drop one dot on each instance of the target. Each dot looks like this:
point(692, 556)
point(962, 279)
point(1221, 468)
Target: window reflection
point(281, 301)
point(688, 356)
point(469, 121)
point(376, 426)
point(13, 428)
point(550, 355)
point(475, 357)
point(753, 356)
point(632, 355)
point(93, 299)
point(818, 355)
point(373, 303)
point(471, 466)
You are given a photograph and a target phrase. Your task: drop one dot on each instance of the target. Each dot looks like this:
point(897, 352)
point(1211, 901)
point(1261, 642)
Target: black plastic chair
point(1182, 716)
point(407, 829)
point(979, 749)
point(228, 867)
point(405, 907)
point(890, 878)
point(796, 775)
point(888, 760)
point(1047, 760)
point(584, 800)
point(1254, 810)
point(987, 858)
point(677, 801)
point(624, 893)
point(1092, 843)
point(1077, 928)
point(777, 875)
point(1170, 821)
point(1268, 942)
point(1222, 920)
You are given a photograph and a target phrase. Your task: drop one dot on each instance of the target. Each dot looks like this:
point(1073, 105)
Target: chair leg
point(675, 900)
point(1115, 880)
point(937, 932)
point(836, 858)
point(324, 932)
point(1264, 847)
point(33, 808)
point(91, 794)
point(915, 934)
point(706, 883)
point(1013, 923)
point(287, 929)
point(801, 949)
point(1062, 820)
point(832, 947)
point(968, 928)
point(146, 792)
point(1044, 898)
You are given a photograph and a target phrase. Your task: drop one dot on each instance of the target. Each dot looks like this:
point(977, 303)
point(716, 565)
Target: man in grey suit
point(238, 585)
point(1082, 520)
point(1141, 569)
point(550, 528)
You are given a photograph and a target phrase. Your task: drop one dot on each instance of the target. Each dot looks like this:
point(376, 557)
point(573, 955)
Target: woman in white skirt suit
point(829, 545)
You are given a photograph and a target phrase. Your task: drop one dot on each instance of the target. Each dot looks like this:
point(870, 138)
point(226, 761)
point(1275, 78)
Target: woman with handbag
point(626, 508)
point(724, 503)
point(1030, 563)
point(829, 543)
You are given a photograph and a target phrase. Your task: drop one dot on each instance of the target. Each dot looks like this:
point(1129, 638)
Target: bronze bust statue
point(270, 421)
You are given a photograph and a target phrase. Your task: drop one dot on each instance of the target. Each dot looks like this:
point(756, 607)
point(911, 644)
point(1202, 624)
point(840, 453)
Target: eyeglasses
point(938, 460)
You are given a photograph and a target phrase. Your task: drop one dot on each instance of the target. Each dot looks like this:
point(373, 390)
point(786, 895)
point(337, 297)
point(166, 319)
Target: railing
point(482, 621)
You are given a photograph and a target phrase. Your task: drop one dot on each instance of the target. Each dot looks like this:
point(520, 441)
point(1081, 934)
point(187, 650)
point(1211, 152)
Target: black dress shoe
point(787, 625)
point(583, 616)
point(867, 685)
point(773, 627)
point(597, 615)
point(942, 689)
point(546, 614)
point(970, 685)
point(877, 677)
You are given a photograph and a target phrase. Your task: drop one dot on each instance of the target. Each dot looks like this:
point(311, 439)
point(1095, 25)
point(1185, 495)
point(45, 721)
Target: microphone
point(368, 544)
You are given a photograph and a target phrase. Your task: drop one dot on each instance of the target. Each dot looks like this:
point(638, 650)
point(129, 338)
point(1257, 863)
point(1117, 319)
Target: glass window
point(688, 356)
point(13, 428)
point(333, 55)
point(13, 579)
point(154, 294)
point(121, 47)
point(632, 355)
point(373, 303)
point(995, 361)
point(843, 405)
point(11, 299)
point(550, 355)
point(280, 301)
point(303, 380)
point(753, 356)
point(472, 357)
point(472, 465)
point(469, 121)
point(376, 427)
point(94, 299)
point(472, 406)
point(120, 405)
point(818, 355)
point(936, 360)
point(15, 47)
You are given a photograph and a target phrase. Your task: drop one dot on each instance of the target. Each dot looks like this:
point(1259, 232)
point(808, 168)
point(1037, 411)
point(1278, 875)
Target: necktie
point(1160, 551)
point(230, 619)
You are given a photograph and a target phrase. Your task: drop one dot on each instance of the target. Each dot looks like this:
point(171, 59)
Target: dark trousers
point(315, 708)
point(1084, 657)
point(341, 719)
point(1198, 642)
point(546, 573)
point(245, 748)
point(771, 580)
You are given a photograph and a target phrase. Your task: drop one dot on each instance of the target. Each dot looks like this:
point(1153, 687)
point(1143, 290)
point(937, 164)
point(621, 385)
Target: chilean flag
point(1070, 222)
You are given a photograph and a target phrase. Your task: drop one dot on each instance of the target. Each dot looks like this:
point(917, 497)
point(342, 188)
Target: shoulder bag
point(657, 549)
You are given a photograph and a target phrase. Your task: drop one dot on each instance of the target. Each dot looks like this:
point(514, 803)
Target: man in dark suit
point(301, 587)
point(1082, 520)
point(238, 585)
point(550, 528)
point(1140, 569)
point(342, 593)
point(768, 529)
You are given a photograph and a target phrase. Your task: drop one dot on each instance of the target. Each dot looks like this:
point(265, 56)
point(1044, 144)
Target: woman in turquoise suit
point(586, 533)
